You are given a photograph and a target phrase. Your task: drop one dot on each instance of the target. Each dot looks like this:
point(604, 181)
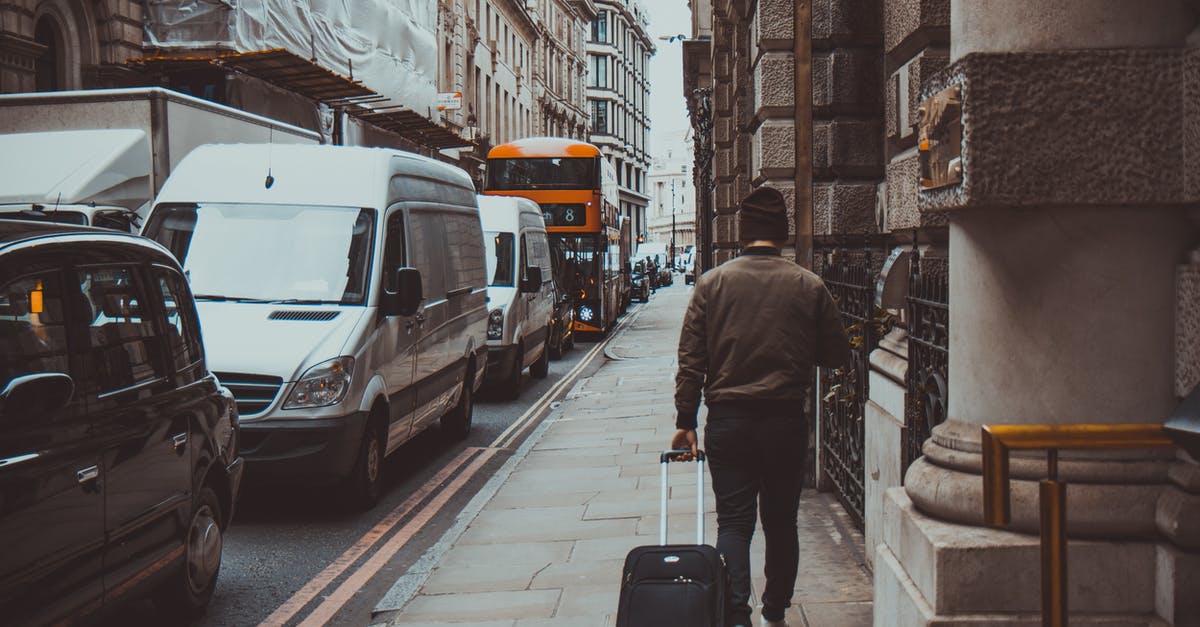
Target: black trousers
point(757, 463)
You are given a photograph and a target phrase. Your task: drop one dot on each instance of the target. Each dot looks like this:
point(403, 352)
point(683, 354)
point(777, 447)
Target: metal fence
point(850, 276)
point(928, 375)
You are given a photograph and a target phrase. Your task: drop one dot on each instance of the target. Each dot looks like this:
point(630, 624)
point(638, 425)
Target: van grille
point(253, 392)
point(312, 316)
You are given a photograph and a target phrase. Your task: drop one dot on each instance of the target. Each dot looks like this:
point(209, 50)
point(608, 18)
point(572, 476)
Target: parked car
point(665, 276)
point(640, 281)
point(117, 218)
point(689, 272)
point(119, 466)
point(343, 297)
point(521, 303)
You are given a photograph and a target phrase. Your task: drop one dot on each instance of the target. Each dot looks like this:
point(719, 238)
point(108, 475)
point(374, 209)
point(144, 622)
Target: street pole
point(672, 222)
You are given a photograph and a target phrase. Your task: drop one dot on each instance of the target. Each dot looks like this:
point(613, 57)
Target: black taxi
point(119, 467)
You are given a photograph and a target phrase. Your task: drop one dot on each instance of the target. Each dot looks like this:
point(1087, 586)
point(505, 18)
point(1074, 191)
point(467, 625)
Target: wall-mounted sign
point(939, 121)
point(449, 100)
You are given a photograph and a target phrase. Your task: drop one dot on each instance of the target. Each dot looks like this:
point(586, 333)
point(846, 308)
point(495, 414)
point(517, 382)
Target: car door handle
point(421, 318)
point(179, 440)
point(87, 474)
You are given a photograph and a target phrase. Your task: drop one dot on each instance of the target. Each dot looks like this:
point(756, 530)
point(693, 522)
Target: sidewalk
point(548, 546)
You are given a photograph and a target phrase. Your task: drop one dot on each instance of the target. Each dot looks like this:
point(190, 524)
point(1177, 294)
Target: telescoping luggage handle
point(680, 456)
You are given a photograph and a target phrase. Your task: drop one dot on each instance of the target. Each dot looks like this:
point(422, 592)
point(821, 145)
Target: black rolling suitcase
point(668, 585)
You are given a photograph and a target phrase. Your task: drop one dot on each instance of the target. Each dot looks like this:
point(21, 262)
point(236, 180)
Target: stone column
point(1065, 239)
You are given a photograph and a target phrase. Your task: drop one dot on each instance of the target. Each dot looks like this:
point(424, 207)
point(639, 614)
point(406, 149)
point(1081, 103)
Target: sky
point(668, 110)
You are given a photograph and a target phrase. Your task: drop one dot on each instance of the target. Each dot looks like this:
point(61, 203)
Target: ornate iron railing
point(928, 375)
point(850, 277)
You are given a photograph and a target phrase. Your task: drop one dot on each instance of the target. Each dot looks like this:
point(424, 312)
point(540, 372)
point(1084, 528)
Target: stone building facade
point(672, 210)
point(54, 45)
point(618, 88)
point(1036, 268)
point(561, 68)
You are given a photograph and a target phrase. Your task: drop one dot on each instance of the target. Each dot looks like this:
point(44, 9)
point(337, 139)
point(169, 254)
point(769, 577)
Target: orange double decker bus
point(576, 188)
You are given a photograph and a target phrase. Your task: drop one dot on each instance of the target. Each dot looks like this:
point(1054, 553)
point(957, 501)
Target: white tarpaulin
point(389, 45)
point(107, 167)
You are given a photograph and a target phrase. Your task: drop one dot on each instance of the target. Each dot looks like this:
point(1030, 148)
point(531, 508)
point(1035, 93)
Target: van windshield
point(499, 258)
point(269, 253)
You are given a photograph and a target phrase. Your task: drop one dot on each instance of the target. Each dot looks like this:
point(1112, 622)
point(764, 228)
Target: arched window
point(49, 69)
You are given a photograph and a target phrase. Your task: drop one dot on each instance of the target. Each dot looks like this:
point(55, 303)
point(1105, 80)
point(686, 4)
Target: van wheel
point(511, 387)
point(540, 368)
point(365, 482)
point(188, 591)
point(456, 423)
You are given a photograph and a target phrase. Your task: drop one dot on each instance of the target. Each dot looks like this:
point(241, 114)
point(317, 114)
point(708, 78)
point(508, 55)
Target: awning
point(412, 125)
point(107, 167)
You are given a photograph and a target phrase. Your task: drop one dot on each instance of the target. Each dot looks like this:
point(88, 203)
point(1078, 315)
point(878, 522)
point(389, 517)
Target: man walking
point(754, 330)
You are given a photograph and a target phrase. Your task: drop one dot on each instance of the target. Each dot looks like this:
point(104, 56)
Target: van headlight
point(322, 385)
point(496, 324)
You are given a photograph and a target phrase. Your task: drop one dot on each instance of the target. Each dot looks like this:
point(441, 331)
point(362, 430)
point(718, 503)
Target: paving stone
point(838, 614)
point(481, 606)
point(542, 523)
point(510, 553)
point(532, 485)
point(581, 605)
point(580, 573)
point(521, 499)
point(472, 623)
point(483, 577)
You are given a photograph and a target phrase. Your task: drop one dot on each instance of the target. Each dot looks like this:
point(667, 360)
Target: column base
point(935, 573)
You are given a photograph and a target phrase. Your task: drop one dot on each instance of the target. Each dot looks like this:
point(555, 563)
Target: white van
point(342, 297)
point(520, 290)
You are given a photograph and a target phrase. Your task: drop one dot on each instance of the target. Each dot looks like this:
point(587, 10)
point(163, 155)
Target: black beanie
point(763, 215)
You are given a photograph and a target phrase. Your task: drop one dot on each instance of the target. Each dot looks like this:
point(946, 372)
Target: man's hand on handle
point(684, 440)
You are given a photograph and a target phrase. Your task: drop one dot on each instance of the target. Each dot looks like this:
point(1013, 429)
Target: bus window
point(545, 173)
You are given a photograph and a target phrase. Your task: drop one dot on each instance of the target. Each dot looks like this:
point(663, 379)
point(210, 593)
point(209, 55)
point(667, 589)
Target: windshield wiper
point(236, 299)
point(303, 301)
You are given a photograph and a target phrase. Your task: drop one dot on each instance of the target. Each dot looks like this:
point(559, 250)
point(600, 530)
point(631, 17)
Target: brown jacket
point(754, 330)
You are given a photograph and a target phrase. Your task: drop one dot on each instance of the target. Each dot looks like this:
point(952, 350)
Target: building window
point(600, 116)
point(600, 71)
point(600, 28)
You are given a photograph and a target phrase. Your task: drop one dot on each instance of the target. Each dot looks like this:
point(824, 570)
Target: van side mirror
point(533, 279)
point(406, 297)
point(35, 395)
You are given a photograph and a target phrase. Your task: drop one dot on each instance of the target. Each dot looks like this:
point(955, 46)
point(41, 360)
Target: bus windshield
point(580, 270)
point(544, 173)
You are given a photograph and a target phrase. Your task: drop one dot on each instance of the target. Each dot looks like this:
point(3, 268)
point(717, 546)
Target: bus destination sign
point(564, 214)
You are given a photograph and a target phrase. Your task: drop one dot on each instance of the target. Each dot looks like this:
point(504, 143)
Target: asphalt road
point(284, 540)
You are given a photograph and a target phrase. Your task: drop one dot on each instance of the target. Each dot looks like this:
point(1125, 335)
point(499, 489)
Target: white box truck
point(99, 156)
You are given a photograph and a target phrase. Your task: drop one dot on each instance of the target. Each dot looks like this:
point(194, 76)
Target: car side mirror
point(405, 297)
point(35, 395)
point(533, 279)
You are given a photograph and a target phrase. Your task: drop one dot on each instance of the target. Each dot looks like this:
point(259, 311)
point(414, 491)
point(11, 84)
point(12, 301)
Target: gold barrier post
point(999, 440)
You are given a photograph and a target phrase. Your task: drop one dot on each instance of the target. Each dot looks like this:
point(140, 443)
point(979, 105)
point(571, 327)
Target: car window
point(183, 333)
point(33, 331)
point(467, 263)
point(427, 252)
point(393, 250)
point(123, 348)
